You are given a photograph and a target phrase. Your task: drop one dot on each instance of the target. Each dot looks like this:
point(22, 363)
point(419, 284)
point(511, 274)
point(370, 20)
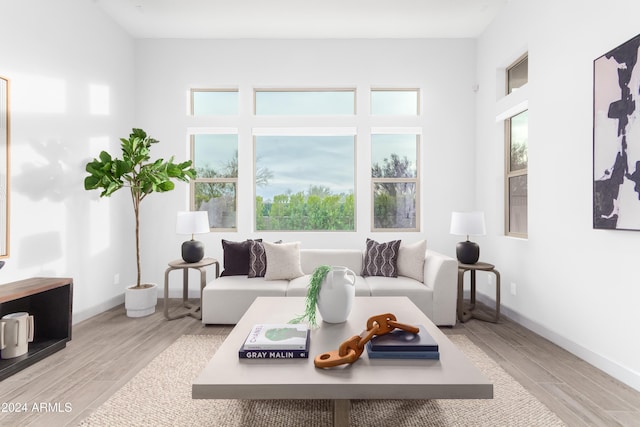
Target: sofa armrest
point(441, 275)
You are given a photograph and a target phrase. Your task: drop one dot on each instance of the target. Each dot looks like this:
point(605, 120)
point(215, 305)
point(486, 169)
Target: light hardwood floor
point(109, 349)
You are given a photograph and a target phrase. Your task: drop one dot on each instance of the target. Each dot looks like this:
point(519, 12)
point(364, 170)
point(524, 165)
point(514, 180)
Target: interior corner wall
point(71, 94)
point(575, 285)
point(444, 70)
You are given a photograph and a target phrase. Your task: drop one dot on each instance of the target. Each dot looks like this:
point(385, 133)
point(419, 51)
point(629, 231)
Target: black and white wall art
point(616, 138)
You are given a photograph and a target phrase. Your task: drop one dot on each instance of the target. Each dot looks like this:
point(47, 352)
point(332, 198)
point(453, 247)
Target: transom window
point(518, 74)
point(335, 102)
point(214, 102)
point(395, 102)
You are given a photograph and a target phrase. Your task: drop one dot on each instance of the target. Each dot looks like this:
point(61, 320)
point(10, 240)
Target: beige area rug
point(160, 395)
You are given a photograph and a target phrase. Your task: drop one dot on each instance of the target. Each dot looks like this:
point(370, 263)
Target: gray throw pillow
point(381, 259)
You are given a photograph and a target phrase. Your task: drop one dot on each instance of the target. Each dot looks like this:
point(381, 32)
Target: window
point(517, 130)
point(394, 180)
point(215, 158)
point(305, 102)
point(304, 182)
point(214, 102)
point(395, 102)
point(518, 74)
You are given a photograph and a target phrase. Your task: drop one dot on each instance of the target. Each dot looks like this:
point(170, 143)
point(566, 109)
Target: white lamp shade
point(467, 223)
point(192, 222)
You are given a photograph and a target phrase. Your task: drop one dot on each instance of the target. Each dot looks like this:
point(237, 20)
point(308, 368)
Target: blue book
point(395, 354)
point(400, 340)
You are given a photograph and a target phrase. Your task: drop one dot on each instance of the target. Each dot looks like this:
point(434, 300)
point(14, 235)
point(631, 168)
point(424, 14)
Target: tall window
point(215, 157)
point(516, 157)
point(517, 130)
point(304, 182)
point(395, 180)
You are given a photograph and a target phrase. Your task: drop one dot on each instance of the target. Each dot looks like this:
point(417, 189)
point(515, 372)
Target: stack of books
point(401, 344)
point(276, 341)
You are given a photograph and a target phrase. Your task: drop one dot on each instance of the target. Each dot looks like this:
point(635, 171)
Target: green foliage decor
point(137, 172)
point(312, 296)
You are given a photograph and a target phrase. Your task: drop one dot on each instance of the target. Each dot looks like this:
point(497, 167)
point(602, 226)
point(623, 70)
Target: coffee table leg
point(341, 411)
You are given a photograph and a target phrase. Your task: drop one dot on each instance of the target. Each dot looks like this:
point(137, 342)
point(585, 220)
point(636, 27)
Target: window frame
point(388, 89)
point(352, 90)
point(191, 106)
point(416, 180)
point(192, 183)
point(306, 132)
point(509, 174)
point(508, 89)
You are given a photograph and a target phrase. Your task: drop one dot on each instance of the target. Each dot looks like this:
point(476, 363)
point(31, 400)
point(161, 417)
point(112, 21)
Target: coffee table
point(228, 377)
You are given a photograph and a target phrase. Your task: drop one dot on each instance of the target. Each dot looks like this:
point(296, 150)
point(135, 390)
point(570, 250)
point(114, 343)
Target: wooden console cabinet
point(50, 301)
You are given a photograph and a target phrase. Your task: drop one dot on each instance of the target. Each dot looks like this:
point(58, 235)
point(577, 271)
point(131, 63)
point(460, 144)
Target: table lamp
point(467, 224)
point(192, 223)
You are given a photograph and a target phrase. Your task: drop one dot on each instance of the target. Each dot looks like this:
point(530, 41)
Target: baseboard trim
point(617, 371)
point(97, 309)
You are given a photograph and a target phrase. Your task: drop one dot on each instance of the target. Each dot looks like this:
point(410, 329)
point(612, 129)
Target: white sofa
point(225, 299)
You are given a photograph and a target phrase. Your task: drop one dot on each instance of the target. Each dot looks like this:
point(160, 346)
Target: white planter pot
point(141, 302)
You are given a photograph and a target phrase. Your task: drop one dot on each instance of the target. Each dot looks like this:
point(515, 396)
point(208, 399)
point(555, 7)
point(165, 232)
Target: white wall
point(444, 70)
point(53, 53)
point(575, 285)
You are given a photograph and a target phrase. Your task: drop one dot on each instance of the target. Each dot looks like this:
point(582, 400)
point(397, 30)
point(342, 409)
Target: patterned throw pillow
point(257, 259)
point(381, 259)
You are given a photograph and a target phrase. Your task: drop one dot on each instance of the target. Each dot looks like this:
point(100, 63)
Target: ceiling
point(303, 18)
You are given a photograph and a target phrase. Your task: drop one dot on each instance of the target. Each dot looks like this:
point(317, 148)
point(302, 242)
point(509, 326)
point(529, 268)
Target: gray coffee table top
point(228, 377)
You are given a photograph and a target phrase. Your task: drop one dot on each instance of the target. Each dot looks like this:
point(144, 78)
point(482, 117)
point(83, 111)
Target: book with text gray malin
point(277, 336)
point(244, 353)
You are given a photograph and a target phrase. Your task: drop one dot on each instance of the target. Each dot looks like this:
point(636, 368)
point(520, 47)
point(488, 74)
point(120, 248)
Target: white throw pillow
point(411, 260)
point(283, 261)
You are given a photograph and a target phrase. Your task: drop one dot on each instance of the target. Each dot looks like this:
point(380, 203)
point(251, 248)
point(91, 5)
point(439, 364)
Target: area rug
point(160, 395)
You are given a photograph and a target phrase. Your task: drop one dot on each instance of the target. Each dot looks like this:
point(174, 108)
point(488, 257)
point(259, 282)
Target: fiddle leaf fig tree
point(137, 172)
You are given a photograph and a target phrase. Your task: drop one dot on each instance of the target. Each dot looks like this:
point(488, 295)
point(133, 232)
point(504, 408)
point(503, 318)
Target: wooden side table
point(466, 314)
point(193, 310)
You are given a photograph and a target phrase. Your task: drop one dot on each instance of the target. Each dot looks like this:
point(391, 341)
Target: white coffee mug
point(16, 332)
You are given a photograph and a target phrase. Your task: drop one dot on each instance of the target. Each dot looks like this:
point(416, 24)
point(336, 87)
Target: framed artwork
point(616, 138)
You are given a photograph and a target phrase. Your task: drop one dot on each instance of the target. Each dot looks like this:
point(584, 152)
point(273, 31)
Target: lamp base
point(468, 252)
point(192, 251)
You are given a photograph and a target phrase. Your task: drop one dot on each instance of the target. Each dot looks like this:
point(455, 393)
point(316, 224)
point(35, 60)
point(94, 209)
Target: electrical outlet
point(116, 279)
point(489, 279)
point(513, 288)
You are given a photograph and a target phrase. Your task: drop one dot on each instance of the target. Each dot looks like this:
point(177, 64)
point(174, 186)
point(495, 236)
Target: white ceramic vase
point(141, 302)
point(336, 295)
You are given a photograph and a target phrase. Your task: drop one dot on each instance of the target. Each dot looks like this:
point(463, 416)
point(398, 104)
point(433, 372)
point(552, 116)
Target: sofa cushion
point(418, 293)
point(298, 287)
point(310, 259)
point(381, 259)
point(411, 260)
point(283, 261)
point(257, 260)
point(236, 257)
